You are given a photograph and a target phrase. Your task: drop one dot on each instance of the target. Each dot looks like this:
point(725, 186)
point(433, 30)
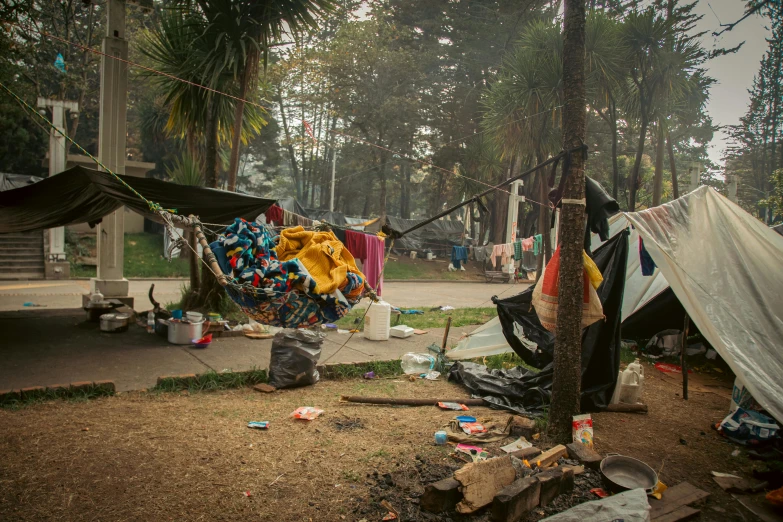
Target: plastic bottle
point(150, 322)
point(377, 322)
point(417, 363)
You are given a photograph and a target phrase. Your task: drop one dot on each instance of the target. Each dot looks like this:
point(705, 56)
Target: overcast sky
point(734, 73)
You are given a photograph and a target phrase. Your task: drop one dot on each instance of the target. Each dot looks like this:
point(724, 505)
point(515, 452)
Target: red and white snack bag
point(583, 429)
point(306, 413)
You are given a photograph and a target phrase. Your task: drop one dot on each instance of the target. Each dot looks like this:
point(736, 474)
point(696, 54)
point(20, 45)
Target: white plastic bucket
point(377, 322)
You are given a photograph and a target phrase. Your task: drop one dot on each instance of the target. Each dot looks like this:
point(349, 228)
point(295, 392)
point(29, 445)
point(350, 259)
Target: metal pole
point(334, 168)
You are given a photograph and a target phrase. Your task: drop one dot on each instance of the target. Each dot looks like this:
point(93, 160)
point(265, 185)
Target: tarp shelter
point(438, 236)
point(81, 195)
point(723, 265)
point(778, 229)
point(528, 391)
point(292, 205)
point(14, 181)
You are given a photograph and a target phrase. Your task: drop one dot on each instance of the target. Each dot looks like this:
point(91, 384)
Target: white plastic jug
point(377, 322)
point(632, 383)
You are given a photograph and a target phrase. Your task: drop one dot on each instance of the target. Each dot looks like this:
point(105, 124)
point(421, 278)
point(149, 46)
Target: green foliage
point(355, 371)
point(52, 394)
point(430, 318)
point(186, 171)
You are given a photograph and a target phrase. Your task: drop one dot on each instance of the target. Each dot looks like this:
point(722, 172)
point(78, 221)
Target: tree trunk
point(637, 164)
point(251, 65)
point(291, 151)
point(659, 152)
point(211, 145)
point(567, 376)
point(615, 166)
point(195, 280)
point(672, 167)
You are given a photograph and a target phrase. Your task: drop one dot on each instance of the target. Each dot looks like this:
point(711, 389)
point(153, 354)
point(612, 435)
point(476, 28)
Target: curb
point(58, 391)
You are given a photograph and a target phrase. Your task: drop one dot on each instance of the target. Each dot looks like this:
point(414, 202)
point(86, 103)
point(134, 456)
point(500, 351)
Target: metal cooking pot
point(622, 473)
point(182, 332)
point(115, 323)
point(95, 309)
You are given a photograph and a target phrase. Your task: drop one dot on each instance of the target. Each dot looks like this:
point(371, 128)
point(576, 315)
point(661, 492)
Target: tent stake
point(446, 336)
point(683, 357)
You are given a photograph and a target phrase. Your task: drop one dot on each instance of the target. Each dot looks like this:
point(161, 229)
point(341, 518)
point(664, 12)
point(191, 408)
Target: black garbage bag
point(525, 391)
point(294, 358)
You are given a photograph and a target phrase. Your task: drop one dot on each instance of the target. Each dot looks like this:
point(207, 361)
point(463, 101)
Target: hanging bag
point(545, 294)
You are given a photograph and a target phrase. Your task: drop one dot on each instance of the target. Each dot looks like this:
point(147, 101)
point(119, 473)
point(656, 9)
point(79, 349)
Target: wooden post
point(446, 336)
point(683, 357)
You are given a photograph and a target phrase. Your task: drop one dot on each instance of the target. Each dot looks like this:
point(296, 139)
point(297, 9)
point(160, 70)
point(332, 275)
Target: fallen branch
point(626, 408)
point(408, 402)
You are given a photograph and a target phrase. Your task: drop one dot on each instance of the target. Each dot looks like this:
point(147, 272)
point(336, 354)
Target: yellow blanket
point(321, 253)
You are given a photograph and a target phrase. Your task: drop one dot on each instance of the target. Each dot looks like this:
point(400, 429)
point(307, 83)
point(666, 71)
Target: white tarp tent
point(725, 268)
point(486, 340)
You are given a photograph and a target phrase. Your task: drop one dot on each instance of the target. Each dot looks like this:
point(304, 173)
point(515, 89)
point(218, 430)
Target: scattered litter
point(452, 406)
point(599, 492)
point(536, 436)
point(85, 429)
point(259, 425)
point(417, 363)
point(420, 332)
point(441, 437)
point(465, 418)
point(354, 331)
point(401, 331)
point(582, 429)
point(264, 388)
point(735, 453)
point(446, 308)
point(329, 326)
point(776, 497)
point(669, 368)
point(203, 342)
point(390, 516)
point(306, 413)
point(629, 505)
point(369, 375)
point(431, 376)
point(412, 312)
point(519, 444)
point(341, 331)
point(658, 490)
point(393, 513)
point(711, 354)
point(748, 427)
point(294, 358)
point(471, 428)
point(475, 453)
point(30, 304)
point(248, 494)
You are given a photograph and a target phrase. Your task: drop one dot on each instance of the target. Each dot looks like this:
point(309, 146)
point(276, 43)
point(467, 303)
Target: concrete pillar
point(111, 149)
point(55, 262)
point(732, 182)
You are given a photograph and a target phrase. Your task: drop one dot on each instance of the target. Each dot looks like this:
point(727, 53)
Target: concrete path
point(46, 347)
point(67, 294)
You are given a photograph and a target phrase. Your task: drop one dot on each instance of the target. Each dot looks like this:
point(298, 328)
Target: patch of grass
point(143, 257)
point(351, 371)
point(542, 421)
point(380, 454)
point(350, 475)
point(212, 381)
point(429, 319)
point(49, 394)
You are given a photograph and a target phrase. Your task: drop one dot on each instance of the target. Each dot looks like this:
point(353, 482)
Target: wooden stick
point(445, 336)
point(626, 408)
point(209, 256)
point(390, 401)
point(683, 357)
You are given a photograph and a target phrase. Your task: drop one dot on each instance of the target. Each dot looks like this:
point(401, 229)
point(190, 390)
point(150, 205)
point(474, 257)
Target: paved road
point(67, 294)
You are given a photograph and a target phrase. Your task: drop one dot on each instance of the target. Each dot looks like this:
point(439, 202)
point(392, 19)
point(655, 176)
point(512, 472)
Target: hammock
point(295, 279)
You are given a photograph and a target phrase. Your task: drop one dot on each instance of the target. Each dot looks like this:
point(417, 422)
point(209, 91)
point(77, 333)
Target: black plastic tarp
point(290, 204)
point(335, 218)
point(526, 391)
point(438, 236)
point(81, 195)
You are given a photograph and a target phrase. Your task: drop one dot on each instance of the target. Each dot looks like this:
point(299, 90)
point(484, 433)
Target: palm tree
point(244, 31)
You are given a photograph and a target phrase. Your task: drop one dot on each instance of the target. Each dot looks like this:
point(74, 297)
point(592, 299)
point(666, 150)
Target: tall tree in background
point(567, 376)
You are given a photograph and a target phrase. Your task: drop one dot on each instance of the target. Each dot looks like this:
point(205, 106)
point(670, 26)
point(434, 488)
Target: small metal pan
point(622, 473)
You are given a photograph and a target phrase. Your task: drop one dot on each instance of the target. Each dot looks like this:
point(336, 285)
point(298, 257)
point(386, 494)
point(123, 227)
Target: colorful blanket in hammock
point(283, 293)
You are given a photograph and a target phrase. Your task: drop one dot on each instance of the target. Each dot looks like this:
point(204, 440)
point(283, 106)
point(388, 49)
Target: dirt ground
point(191, 457)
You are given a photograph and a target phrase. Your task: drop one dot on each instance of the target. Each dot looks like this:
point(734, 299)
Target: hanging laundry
point(538, 244)
point(517, 250)
point(369, 249)
point(274, 215)
point(527, 244)
point(480, 253)
point(459, 254)
point(648, 265)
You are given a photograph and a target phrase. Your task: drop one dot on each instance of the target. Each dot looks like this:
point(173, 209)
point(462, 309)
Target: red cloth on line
point(356, 243)
point(274, 214)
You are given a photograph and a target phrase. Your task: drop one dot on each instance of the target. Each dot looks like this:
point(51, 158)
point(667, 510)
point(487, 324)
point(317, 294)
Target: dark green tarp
point(81, 195)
